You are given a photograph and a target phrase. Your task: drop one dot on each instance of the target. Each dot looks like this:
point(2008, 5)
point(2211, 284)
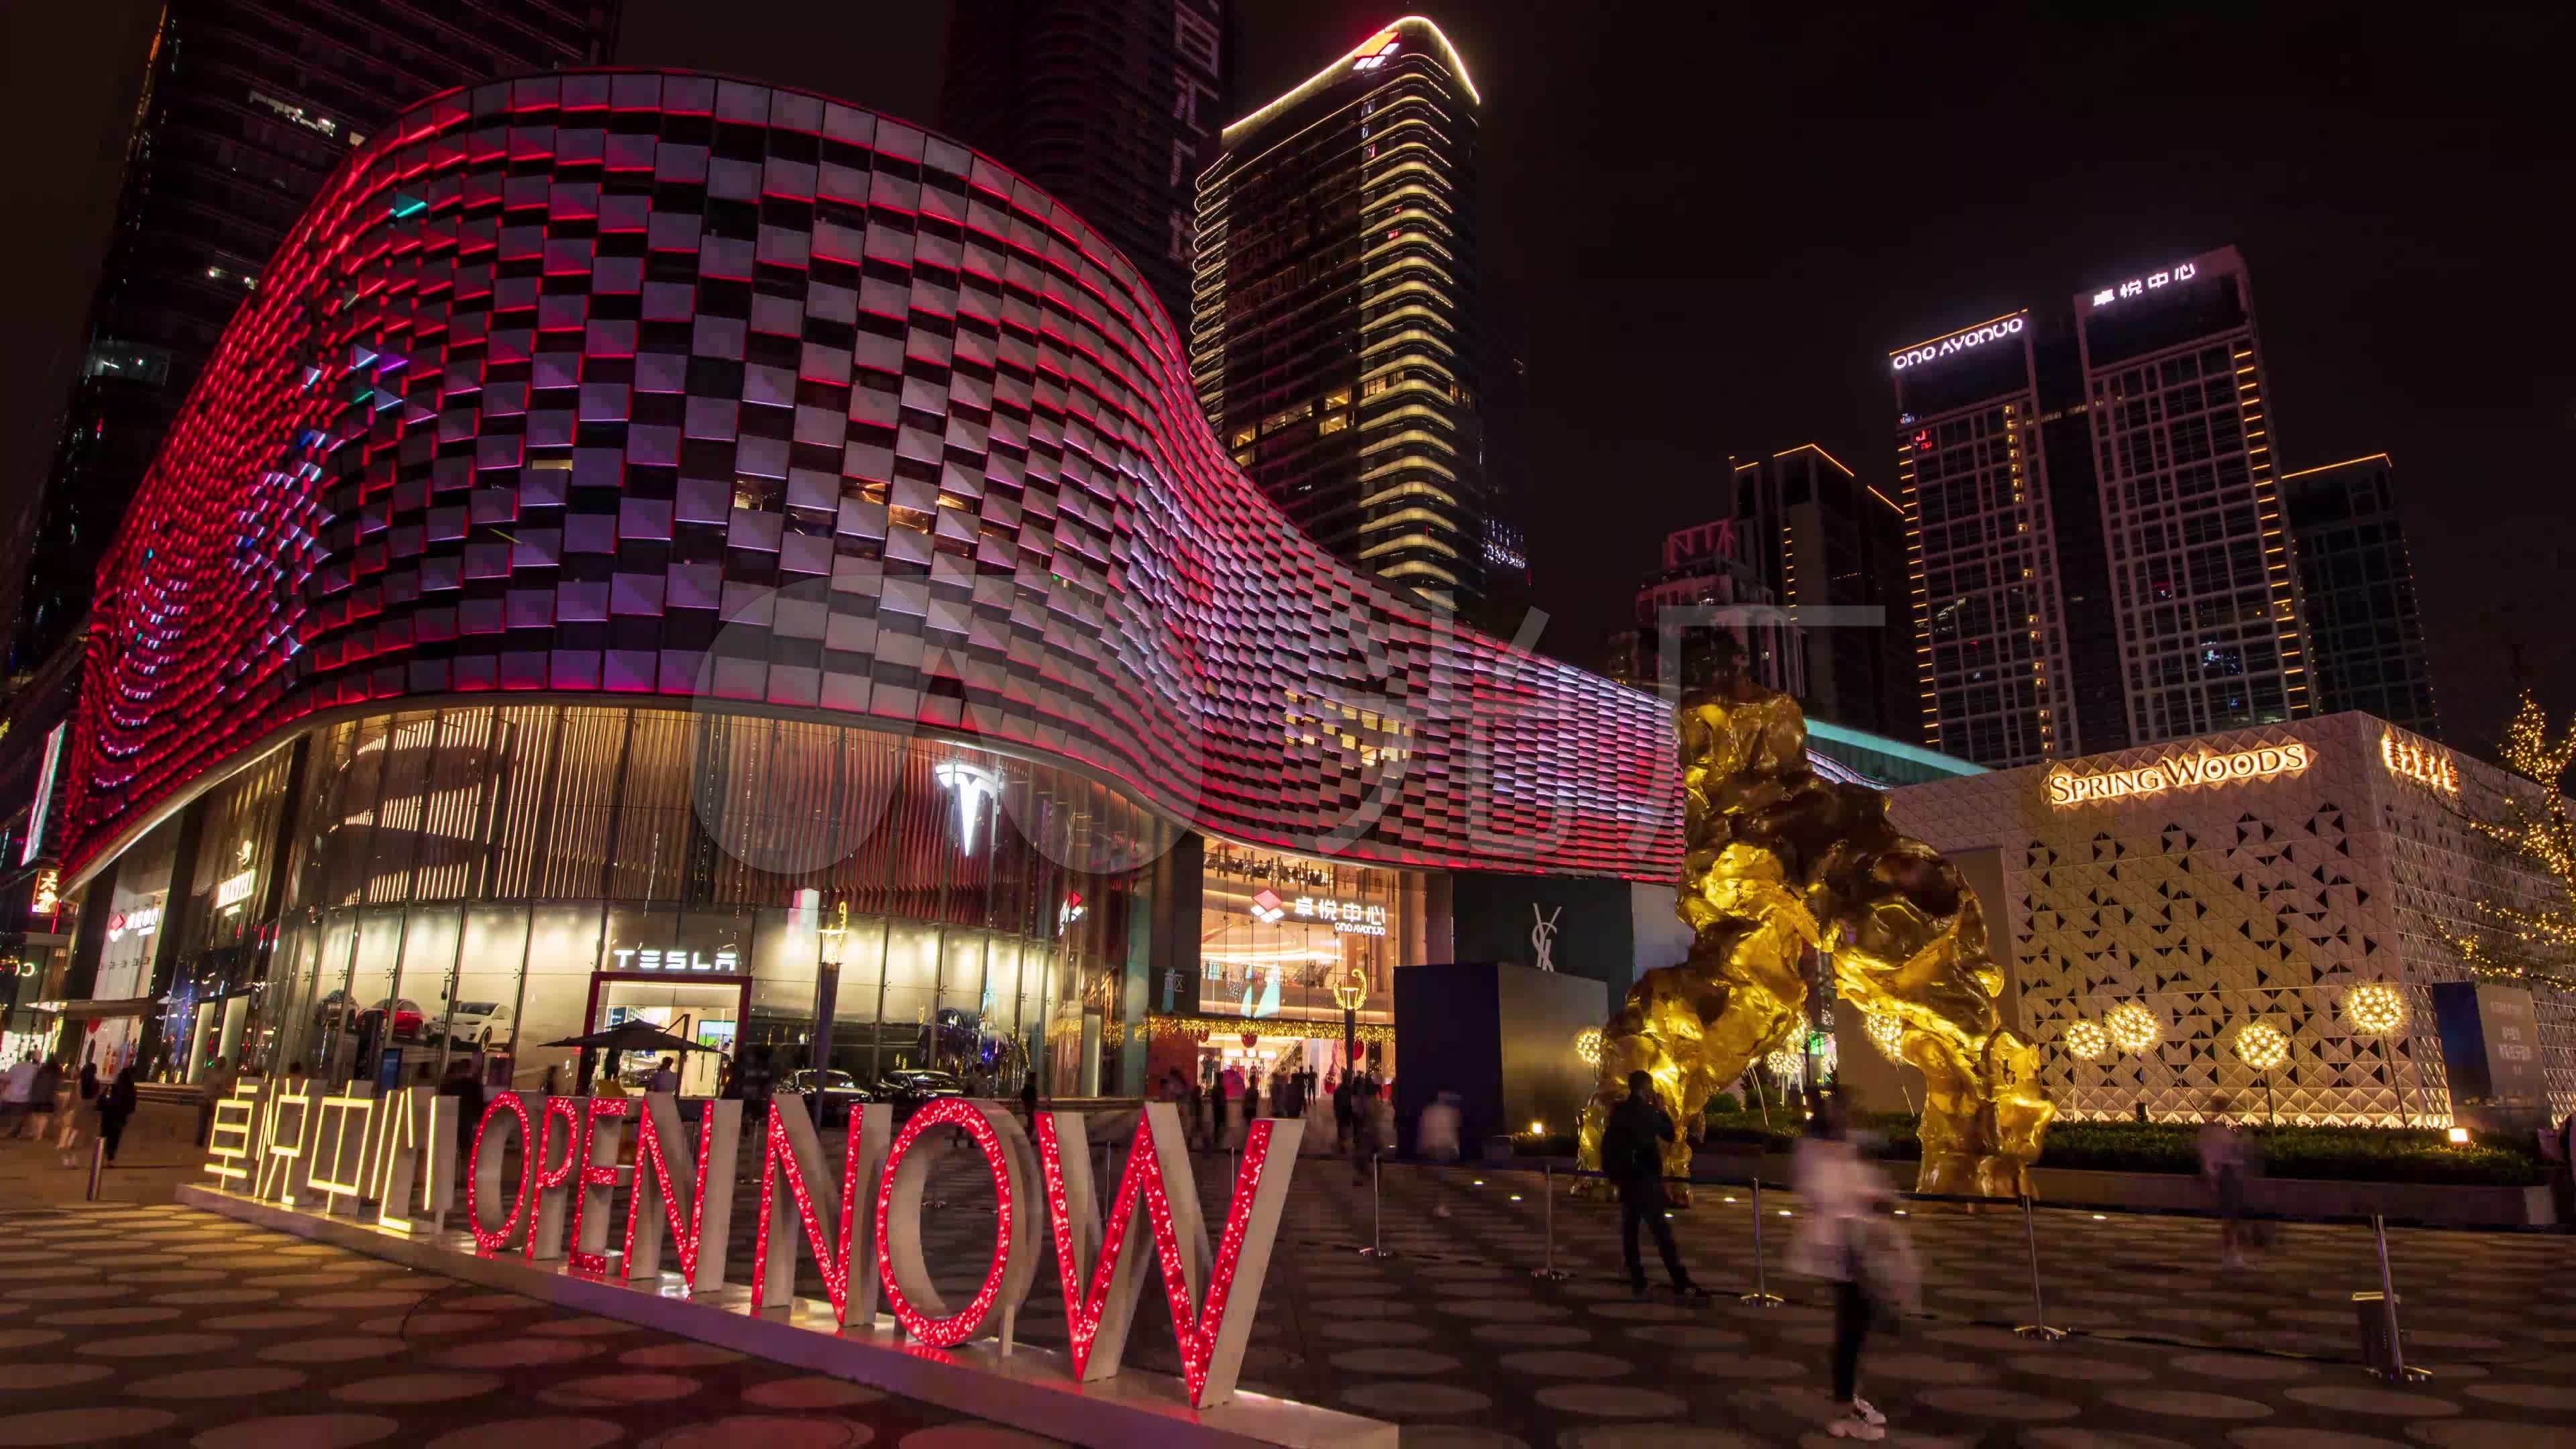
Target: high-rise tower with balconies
point(1335, 330)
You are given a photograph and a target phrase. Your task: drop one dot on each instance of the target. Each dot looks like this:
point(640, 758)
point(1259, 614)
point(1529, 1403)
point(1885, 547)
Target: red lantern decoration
point(1251, 1040)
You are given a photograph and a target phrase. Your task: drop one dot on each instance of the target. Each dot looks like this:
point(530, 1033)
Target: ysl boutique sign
point(391, 1161)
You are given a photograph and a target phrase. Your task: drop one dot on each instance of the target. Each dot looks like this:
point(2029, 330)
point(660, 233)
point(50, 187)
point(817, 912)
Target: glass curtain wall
point(488, 880)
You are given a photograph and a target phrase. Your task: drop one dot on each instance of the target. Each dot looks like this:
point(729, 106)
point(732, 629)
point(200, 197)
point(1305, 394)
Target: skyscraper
point(1105, 103)
point(2211, 633)
point(1708, 566)
point(1335, 333)
point(1983, 500)
point(246, 110)
point(2365, 634)
point(1822, 539)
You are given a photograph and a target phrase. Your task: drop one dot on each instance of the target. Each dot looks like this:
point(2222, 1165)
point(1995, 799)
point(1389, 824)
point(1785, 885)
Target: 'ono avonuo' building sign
point(391, 1161)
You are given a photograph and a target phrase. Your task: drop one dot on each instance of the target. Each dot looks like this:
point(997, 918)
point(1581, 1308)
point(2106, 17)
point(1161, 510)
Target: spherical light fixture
point(1783, 1063)
point(2085, 1040)
point(2374, 1008)
point(2133, 1026)
point(1885, 1032)
point(1587, 1046)
point(2260, 1045)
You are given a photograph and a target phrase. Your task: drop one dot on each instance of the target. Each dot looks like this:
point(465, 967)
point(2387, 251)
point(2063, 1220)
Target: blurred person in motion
point(1632, 1157)
point(1435, 1140)
point(84, 1099)
point(1843, 1239)
point(1230, 1085)
point(115, 1106)
point(2222, 1168)
point(468, 1092)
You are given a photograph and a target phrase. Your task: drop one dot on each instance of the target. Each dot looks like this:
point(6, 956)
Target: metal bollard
point(1377, 1244)
point(2383, 1344)
point(97, 1163)
point(1547, 1196)
point(1761, 1296)
point(2038, 1326)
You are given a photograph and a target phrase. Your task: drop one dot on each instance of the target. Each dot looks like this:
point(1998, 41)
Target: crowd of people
point(42, 1098)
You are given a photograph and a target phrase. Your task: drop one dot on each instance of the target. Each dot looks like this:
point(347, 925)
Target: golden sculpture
point(1779, 865)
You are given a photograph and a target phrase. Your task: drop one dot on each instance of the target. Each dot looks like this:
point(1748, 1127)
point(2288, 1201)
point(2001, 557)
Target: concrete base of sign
point(1030, 1389)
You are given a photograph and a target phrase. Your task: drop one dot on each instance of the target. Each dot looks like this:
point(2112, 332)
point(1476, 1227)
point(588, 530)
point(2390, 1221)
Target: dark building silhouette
point(246, 109)
point(1108, 104)
point(2365, 631)
point(1823, 539)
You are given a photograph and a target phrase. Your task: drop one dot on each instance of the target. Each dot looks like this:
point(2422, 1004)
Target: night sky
point(1707, 227)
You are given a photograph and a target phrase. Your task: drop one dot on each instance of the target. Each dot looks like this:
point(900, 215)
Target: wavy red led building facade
point(662, 385)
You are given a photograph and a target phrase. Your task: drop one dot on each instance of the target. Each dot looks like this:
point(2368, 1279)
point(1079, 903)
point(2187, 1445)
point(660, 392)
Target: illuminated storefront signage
point(45, 776)
point(1959, 342)
point(138, 922)
point(49, 892)
point(2423, 764)
point(974, 786)
point(645, 958)
point(391, 1161)
point(2140, 286)
point(2066, 788)
point(234, 889)
point(1350, 918)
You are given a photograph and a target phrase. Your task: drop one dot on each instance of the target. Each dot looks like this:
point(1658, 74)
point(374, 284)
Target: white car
point(480, 1024)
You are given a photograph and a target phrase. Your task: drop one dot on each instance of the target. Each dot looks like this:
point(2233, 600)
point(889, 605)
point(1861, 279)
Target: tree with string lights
point(2531, 941)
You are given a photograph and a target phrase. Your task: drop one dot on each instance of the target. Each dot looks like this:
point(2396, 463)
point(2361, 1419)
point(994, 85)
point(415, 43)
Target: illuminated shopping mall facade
point(672, 548)
point(2265, 914)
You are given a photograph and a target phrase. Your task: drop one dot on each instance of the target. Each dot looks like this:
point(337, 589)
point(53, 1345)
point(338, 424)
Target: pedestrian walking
point(1435, 1141)
point(220, 1077)
point(468, 1092)
point(17, 1098)
point(1029, 1099)
point(1342, 1114)
point(2222, 1168)
point(41, 1104)
point(1632, 1156)
point(83, 1100)
point(1230, 1082)
point(1843, 1239)
point(115, 1105)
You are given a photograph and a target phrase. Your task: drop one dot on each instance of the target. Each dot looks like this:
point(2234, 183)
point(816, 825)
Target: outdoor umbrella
point(632, 1036)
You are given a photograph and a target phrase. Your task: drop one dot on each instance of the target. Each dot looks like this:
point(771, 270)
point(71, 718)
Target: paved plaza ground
point(187, 1329)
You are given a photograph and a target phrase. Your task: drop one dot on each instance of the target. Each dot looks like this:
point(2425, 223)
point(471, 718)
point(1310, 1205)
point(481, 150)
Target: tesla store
point(487, 880)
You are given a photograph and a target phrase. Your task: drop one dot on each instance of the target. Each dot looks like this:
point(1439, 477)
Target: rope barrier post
point(1547, 1214)
point(1377, 1247)
point(1761, 1296)
point(97, 1163)
point(2397, 1369)
point(2038, 1326)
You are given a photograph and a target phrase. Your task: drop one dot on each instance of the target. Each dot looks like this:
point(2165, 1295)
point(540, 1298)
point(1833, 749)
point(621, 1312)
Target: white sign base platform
point(1025, 1388)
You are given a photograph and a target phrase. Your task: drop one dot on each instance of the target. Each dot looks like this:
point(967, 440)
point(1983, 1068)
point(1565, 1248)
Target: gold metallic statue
point(1779, 866)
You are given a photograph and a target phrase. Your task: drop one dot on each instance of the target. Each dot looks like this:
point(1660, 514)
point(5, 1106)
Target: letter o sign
point(483, 1174)
point(918, 1306)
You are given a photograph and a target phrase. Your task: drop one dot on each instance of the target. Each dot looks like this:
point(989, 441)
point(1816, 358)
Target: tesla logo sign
point(2066, 788)
point(2140, 286)
point(975, 787)
point(1959, 342)
point(635, 958)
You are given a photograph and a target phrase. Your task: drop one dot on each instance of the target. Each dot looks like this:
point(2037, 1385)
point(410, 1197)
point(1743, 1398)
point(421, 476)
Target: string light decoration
point(2133, 1027)
point(2509, 940)
point(656, 1209)
point(2260, 1045)
point(1886, 1033)
point(2085, 1040)
point(545, 1184)
point(1100, 1308)
point(2374, 1008)
point(480, 1190)
point(592, 1178)
point(1783, 1063)
point(906, 1277)
point(791, 1152)
point(1587, 1046)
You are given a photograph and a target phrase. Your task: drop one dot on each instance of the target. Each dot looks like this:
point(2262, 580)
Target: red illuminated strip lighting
point(563, 378)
